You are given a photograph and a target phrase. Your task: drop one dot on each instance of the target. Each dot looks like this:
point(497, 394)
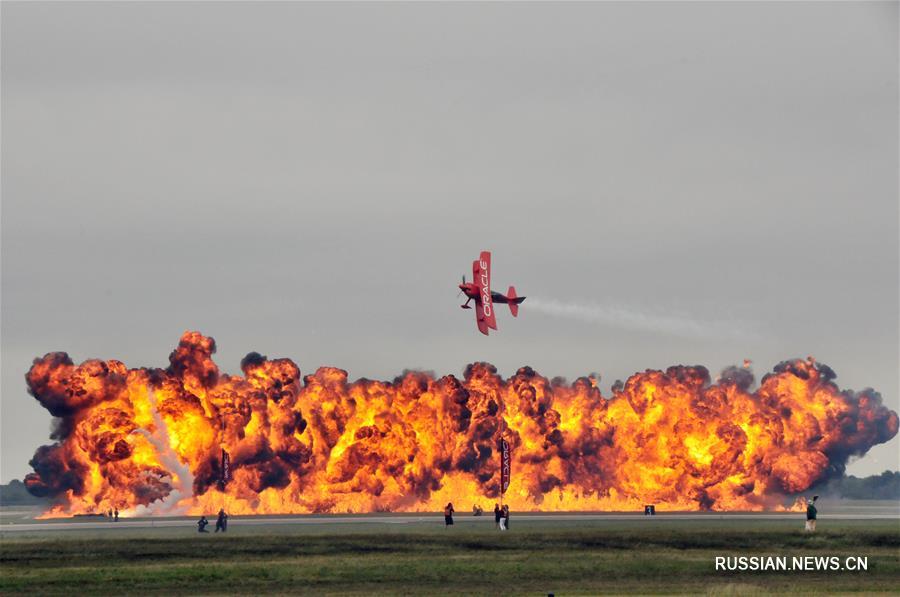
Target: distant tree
point(15, 494)
point(885, 486)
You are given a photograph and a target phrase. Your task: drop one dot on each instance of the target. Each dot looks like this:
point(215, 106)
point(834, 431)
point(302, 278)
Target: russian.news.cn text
point(792, 563)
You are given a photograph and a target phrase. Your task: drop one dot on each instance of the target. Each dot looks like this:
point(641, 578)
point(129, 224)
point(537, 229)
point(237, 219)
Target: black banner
point(504, 465)
point(226, 469)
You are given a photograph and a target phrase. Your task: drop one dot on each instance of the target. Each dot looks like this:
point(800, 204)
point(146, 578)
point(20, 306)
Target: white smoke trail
point(181, 473)
point(680, 325)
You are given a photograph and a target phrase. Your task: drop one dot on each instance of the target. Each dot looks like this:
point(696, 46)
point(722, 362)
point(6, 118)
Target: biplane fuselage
point(479, 290)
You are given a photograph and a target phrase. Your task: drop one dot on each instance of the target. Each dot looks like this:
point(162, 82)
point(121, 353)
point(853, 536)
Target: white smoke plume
point(626, 318)
point(182, 477)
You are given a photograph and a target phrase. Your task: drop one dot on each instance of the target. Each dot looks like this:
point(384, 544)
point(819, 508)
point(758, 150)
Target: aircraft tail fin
point(513, 301)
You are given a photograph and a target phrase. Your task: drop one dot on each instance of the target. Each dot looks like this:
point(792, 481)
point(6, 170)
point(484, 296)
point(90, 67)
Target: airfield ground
point(581, 554)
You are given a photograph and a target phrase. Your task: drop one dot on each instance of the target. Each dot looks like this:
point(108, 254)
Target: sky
point(667, 183)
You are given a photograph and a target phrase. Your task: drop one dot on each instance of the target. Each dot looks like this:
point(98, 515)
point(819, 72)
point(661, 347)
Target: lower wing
point(483, 324)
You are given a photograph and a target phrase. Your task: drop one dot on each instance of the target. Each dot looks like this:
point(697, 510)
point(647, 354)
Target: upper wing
point(479, 313)
point(483, 281)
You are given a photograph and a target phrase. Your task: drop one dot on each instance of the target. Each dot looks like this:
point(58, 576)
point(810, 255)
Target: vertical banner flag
point(504, 465)
point(226, 469)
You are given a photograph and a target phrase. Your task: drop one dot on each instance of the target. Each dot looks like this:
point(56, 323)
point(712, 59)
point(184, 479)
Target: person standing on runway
point(222, 521)
point(448, 515)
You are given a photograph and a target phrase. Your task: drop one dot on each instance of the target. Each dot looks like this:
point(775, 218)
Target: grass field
point(591, 557)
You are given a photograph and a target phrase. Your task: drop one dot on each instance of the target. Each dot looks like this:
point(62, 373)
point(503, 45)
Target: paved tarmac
point(90, 523)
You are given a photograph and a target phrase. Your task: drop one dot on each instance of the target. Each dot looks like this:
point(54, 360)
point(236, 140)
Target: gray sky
point(692, 183)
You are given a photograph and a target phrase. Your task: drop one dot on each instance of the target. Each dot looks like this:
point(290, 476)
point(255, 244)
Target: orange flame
point(151, 440)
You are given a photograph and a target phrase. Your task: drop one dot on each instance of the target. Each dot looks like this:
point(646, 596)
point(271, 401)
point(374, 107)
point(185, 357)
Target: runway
point(401, 519)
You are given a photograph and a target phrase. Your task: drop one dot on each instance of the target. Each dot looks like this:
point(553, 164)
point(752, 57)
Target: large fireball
point(154, 438)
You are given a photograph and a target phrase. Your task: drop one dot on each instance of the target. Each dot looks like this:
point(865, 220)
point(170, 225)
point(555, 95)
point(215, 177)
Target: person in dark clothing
point(116, 515)
point(448, 514)
point(498, 514)
point(811, 513)
point(201, 525)
point(222, 521)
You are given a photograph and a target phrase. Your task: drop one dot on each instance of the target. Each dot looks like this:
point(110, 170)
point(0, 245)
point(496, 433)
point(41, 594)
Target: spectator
point(222, 521)
point(448, 514)
point(811, 515)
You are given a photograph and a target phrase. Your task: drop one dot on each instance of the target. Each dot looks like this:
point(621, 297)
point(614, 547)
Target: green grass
point(643, 556)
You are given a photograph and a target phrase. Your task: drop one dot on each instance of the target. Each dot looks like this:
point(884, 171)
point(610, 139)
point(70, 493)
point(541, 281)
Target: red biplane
point(479, 290)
